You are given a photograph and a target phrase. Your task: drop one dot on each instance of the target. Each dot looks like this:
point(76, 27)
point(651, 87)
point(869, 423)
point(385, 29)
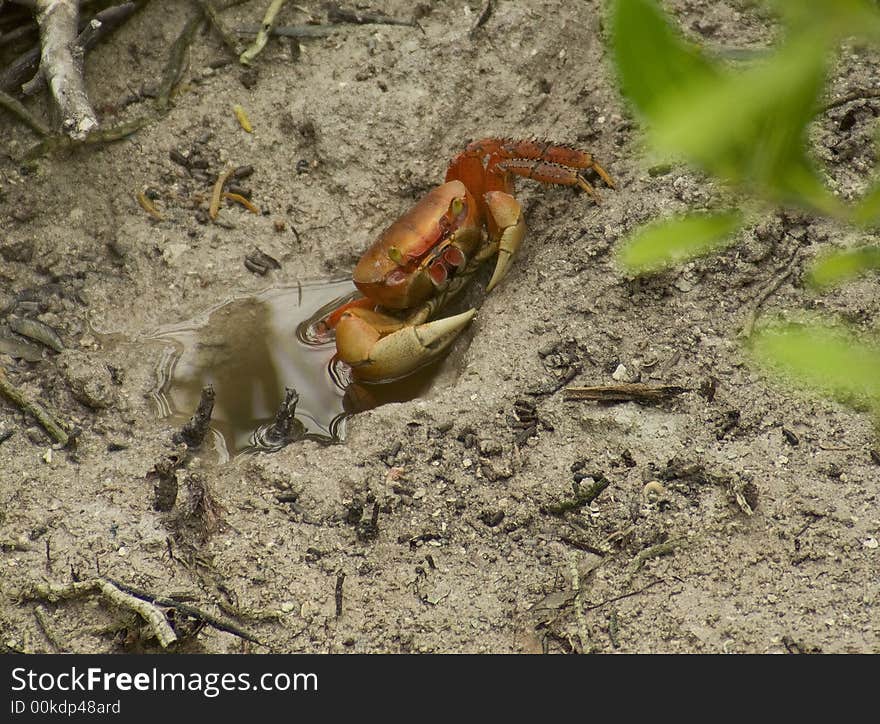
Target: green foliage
point(821, 357)
point(746, 127)
point(649, 36)
point(838, 266)
point(673, 241)
point(749, 127)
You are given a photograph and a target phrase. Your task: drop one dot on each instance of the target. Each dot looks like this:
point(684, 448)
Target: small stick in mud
point(622, 596)
point(779, 278)
point(263, 35)
point(96, 137)
point(52, 593)
point(667, 548)
point(340, 579)
point(42, 616)
point(174, 65)
point(369, 529)
point(291, 31)
point(193, 432)
point(225, 35)
point(856, 95)
point(584, 497)
point(578, 602)
point(61, 60)
point(193, 611)
point(482, 18)
point(625, 392)
point(15, 107)
point(49, 422)
point(337, 14)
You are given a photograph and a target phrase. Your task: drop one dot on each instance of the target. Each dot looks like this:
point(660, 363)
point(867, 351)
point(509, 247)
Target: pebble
point(620, 374)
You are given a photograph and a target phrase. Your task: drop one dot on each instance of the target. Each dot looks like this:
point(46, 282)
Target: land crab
point(425, 257)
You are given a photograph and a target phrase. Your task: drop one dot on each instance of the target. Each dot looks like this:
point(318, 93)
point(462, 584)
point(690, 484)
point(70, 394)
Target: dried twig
point(96, 137)
point(614, 599)
point(185, 608)
point(49, 422)
point(214, 18)
point(27, 64)
point(174, 65)
point(340, 580)
point(263, 35)
point(856, 95)
point(578, 602)
point(42, 616)
point(482, 18)
point(52, 593)
point(291, 31)
point(783, 273)
point(667, 548)
point(61, 60)
point(337, 14)
point(624, 392)
point(24, 115)
point(584, 497)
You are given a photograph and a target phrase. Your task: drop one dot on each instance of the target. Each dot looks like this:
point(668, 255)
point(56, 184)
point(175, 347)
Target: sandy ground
point(469, 551)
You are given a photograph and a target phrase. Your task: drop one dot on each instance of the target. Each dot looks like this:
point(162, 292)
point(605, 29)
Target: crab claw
point(363, 341)
point(507, 214)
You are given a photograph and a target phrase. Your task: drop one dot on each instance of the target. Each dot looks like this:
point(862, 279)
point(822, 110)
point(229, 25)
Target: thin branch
point(49, 422)
point(52, 593)
point(624, 392)
point(15, 107)
point(61, 59)
point(263, 35)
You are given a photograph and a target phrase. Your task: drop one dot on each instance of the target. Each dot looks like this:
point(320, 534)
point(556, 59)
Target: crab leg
point(508, 217)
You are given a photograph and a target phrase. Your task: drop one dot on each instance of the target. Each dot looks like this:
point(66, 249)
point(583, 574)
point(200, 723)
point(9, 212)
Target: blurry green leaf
point(838, 266)
point(867, 210)
point(673, 241)
point(750, 127)
point(747, 127)
point(822, 358)
point(652, 59)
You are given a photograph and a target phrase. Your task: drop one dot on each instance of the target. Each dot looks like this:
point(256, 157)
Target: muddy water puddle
point(250, 349)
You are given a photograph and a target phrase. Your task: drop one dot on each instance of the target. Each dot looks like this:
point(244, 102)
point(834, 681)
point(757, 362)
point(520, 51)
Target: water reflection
point(252, 348)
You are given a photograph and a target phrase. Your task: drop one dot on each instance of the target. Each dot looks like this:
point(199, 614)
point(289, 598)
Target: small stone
point(620, 374)
point(287, 606)
point(871, 543)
